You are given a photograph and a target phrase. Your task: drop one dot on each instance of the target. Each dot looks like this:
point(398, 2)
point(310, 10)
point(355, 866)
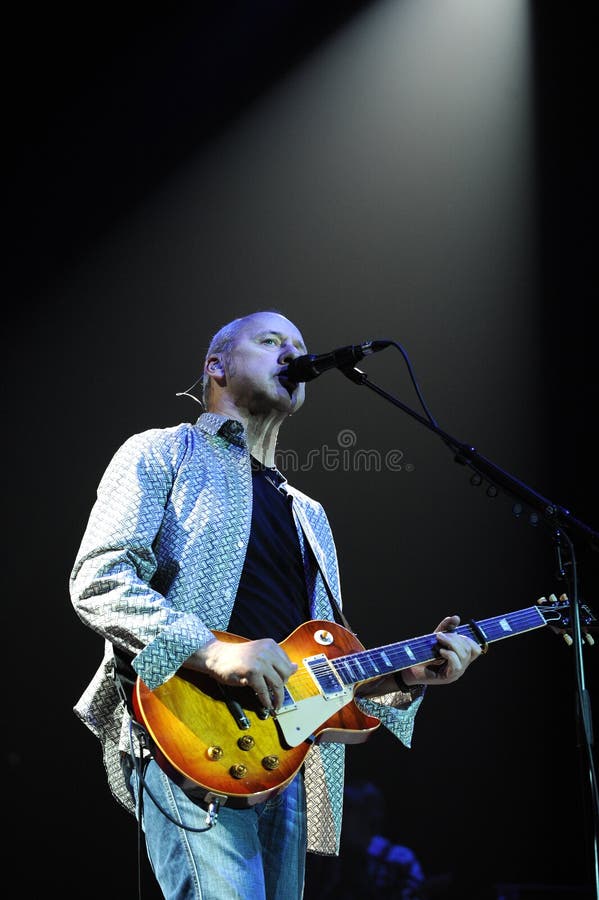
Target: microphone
point(310, 366)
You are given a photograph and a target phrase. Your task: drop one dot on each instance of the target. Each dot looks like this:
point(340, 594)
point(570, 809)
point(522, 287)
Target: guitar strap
point(338, 613)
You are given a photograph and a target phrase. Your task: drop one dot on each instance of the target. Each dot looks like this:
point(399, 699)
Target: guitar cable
point(139, 764)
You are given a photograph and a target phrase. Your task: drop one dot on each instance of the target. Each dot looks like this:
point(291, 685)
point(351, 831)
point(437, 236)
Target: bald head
point(226, 338)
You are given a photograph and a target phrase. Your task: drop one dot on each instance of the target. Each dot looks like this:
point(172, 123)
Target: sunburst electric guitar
point(217, 743)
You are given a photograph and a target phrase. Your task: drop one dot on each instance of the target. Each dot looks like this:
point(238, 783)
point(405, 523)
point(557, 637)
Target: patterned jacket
point(158, 569)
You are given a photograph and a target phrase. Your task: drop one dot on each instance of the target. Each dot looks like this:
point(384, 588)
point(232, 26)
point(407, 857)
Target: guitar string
point(520, 621)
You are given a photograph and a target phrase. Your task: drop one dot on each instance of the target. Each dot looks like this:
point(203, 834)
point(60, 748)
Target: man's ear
point(215, 369)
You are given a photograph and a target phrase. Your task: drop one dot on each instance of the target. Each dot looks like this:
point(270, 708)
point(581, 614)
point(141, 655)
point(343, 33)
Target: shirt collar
point(216, 423)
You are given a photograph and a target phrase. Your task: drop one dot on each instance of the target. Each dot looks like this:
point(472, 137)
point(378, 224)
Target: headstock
point(557, 613)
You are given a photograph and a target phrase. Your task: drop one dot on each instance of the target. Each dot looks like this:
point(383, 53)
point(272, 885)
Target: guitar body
point(214, 741)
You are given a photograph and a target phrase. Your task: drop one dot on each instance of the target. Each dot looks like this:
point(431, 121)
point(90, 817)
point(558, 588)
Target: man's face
point(266, 343)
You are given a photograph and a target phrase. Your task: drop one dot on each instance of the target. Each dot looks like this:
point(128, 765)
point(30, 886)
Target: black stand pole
point(561, 522)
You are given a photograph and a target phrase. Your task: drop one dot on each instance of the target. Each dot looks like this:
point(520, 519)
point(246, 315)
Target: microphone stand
point(561, 522)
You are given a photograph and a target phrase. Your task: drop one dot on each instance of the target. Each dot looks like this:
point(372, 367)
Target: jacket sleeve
point(397, 711)
point(111, 580)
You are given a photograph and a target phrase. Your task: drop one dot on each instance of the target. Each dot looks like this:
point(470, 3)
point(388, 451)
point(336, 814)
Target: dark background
point(153, 191)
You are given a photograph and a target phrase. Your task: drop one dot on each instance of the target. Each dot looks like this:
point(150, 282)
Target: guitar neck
point(365, 665)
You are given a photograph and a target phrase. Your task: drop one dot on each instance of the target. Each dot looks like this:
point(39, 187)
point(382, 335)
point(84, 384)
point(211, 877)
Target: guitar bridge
point(287, 705)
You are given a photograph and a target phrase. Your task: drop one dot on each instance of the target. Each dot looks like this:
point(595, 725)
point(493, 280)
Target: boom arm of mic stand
point(554, 514)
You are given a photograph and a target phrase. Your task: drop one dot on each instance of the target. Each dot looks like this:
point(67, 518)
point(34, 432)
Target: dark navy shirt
point(272, 599)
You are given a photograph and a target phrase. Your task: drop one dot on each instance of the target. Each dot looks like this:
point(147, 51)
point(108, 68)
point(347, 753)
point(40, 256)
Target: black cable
point(139, 765)
point(404, 353)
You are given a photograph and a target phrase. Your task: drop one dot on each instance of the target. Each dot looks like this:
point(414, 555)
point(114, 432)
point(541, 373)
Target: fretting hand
point(456, 652)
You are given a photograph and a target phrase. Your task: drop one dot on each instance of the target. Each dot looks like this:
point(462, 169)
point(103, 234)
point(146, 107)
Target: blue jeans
point(257, 853)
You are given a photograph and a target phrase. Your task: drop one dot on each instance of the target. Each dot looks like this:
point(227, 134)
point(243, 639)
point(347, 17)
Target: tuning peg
point(542, 600)
point(589, 639)
point(568, 639)
point(563, 597)
point(552, 598)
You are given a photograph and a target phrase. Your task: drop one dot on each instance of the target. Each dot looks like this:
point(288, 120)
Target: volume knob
point(215, 752)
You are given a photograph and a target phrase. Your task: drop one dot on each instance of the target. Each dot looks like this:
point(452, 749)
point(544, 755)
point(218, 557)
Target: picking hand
point(260, 665)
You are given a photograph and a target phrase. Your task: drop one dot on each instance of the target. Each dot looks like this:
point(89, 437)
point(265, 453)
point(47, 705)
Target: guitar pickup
point(324, 676)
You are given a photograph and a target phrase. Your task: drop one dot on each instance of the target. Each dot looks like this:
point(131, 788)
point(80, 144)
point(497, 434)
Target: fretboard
point(367, 664)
